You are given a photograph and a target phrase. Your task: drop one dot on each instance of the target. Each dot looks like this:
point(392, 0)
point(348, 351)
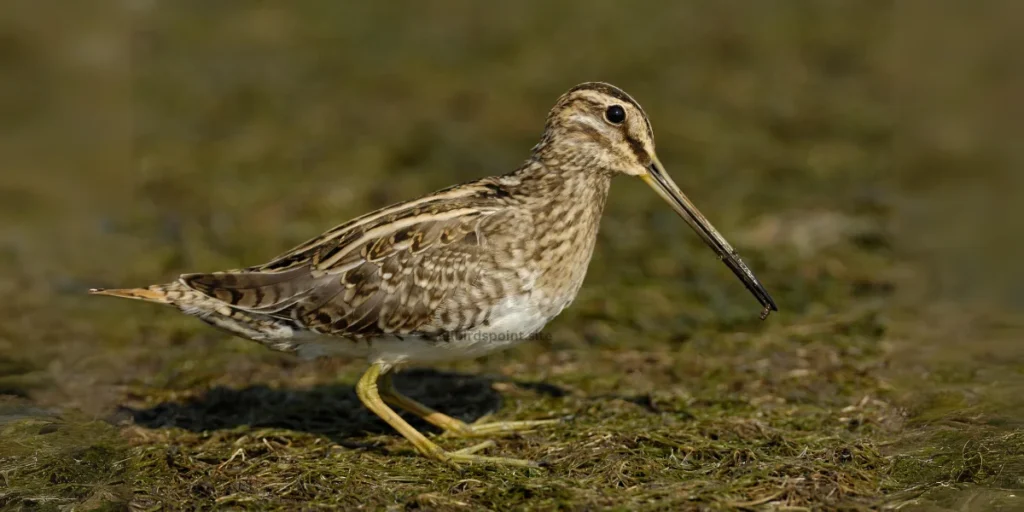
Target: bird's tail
point(160, 293)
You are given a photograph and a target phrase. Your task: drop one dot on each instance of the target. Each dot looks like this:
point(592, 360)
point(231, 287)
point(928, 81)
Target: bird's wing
point(386, 272)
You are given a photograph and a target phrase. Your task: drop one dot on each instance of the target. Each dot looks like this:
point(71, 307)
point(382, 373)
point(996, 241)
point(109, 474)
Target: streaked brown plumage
point(457, 273)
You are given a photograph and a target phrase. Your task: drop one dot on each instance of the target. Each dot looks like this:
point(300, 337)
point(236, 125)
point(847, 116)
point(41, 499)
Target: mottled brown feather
point(349, 282)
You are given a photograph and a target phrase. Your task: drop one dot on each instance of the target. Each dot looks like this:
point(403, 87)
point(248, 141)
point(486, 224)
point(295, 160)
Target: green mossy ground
point(239, 130)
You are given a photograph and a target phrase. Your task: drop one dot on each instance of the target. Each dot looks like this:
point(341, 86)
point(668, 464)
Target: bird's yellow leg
point(451, 425)
point(369, 395)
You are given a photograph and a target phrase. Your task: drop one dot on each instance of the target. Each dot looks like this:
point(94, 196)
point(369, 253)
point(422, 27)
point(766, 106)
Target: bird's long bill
point(659, 180)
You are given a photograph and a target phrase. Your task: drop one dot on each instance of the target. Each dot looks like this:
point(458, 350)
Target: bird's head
point(600, 128)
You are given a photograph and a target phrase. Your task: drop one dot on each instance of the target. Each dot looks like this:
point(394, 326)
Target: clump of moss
point(47, 463)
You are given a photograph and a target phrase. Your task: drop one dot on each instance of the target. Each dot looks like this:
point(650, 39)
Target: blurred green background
point(863, 156)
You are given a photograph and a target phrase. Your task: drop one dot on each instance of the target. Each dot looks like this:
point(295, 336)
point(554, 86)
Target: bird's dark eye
point(615, 114)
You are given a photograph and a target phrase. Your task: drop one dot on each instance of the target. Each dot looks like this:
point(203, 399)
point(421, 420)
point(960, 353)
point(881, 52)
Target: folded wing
point(383, 274)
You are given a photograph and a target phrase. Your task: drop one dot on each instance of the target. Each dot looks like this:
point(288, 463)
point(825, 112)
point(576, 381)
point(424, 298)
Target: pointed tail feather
point(157, 293)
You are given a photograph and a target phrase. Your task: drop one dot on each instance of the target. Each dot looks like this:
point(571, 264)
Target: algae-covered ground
point(845, 147)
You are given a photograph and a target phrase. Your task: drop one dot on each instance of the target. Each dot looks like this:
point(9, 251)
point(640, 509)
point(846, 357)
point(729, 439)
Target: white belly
point(516, 320)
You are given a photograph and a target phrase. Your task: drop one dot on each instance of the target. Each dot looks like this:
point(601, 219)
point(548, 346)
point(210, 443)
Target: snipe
point(455, 274)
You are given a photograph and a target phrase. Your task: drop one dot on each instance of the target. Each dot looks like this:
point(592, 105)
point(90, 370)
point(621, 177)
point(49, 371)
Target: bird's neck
point(565, 204)
point(565, 199)
point(560, 168)
point(570, 184)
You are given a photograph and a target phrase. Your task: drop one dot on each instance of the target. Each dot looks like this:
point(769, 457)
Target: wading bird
point(456, 274)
